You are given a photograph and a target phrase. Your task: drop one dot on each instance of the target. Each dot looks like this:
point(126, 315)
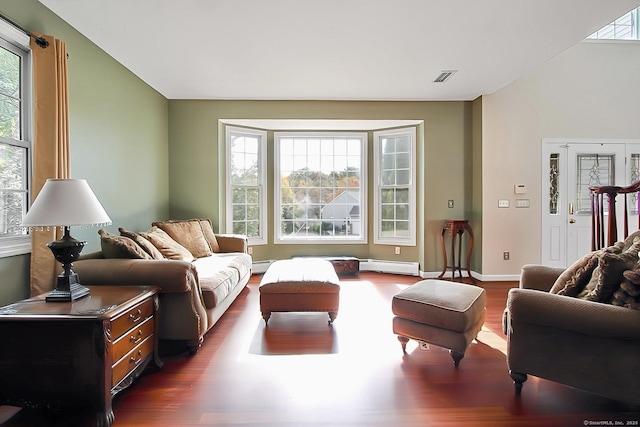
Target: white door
point(568, 170)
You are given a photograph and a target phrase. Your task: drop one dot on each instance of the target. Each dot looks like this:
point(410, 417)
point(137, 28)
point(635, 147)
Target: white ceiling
point(334, 49)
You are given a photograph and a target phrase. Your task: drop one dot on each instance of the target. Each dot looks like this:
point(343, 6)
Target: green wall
point(196, 171)
point(118, 137)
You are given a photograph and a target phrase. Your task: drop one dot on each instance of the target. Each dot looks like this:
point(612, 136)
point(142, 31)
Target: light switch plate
point(522, 203)
point(503, 203)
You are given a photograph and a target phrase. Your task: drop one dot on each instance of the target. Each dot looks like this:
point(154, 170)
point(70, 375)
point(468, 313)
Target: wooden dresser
point(64, 356)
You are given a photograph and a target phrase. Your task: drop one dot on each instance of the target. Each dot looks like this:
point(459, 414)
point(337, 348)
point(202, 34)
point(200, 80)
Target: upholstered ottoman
point(439, 312)
point(300, 284)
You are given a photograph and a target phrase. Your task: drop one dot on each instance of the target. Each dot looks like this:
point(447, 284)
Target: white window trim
point(262, 179)
point(377, 214)
point(20, 245)
point(277, 207)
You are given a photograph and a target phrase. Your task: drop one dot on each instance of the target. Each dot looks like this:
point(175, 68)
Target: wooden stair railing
point(597, 214)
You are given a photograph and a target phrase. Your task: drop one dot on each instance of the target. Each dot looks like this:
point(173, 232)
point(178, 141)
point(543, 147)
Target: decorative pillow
point(114, 246)
point(146, 245)
point(609, 274)
point(188, 233)
point(165, 244)
point(628, 295)
point(630, 240)
point(574, 279)
point(207, 229)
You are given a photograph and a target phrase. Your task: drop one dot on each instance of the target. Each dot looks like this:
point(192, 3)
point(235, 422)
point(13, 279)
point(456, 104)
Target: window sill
point(15, 246)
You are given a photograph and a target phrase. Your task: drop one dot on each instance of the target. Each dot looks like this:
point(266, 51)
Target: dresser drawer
point(132, 338)
point(131, 360)
point(131, 318)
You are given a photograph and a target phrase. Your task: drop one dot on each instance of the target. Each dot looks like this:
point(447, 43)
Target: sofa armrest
point(168, 275)
point(572, 314)
point(232, 242)
point(539, 277)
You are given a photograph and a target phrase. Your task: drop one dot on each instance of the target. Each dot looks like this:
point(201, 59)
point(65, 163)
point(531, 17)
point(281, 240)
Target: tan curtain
point(50, 147)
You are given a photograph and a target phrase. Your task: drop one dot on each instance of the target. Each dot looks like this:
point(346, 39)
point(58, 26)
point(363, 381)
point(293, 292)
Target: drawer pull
point(136, 318)
point(137, 339)
point(136, 360)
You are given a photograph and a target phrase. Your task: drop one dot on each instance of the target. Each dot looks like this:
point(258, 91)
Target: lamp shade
point(65, 202)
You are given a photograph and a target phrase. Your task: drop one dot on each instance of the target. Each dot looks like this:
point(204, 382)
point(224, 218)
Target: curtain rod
point(40, 41)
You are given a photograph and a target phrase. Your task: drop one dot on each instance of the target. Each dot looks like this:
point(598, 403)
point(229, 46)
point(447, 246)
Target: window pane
point(12, 207)
point(245, 174)
point(394, 173)
point(319, 186)
point(13, 167)
point(10, 94)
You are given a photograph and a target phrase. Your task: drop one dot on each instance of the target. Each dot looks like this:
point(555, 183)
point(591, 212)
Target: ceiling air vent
point(444, 76)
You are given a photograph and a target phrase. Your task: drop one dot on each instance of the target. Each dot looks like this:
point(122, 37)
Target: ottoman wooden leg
point(457, 357)
point(332, 316)
point(403, 343)
point(266, 315)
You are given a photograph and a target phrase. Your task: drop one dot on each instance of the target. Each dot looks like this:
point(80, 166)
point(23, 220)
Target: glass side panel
point(554, 192)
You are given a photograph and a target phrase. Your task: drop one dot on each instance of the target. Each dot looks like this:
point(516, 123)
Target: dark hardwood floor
point(301, 372)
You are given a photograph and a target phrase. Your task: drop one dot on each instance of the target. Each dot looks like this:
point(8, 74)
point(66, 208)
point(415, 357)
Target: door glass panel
point(635, 176)
point(554, 192)
point(593, 170)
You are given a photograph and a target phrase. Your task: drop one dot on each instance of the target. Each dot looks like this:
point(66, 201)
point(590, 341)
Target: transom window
point(623, 28)
point(320, 187)
point(15, 144)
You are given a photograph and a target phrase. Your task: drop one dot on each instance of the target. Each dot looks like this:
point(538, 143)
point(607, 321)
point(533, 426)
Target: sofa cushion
point(165, 244)
point(238, 260)
point(146, 245)
point(216, 277)
point(114, 246)
point(188, 233)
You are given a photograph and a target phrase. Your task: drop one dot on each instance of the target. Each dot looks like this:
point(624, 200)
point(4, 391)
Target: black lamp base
point(76, 291)
point(68, 288)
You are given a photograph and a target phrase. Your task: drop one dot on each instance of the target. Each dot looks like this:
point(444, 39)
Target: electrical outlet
point(505, 255)
point(424, 345)
point(450, 203)
point(397, 250)
point(250, 250)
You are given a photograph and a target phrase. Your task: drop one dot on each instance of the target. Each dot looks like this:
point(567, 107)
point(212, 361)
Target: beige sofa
point(197, 286)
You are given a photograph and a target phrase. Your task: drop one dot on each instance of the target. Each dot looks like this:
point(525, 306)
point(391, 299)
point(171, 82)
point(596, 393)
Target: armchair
point(587, 345)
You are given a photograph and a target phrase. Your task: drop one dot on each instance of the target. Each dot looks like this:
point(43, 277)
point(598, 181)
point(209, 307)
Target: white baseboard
point(477, 276)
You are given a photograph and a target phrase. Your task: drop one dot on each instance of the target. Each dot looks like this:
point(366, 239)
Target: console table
point(456, 228)
point(58, 355)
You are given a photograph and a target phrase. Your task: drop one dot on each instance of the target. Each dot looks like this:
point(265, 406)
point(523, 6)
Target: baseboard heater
point(392, 267)
point(381, 266)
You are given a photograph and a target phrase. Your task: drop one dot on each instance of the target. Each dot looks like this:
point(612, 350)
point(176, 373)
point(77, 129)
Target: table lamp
point(65, 203)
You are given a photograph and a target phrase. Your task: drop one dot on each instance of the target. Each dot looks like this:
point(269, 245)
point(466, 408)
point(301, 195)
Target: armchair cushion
point(114, 246)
